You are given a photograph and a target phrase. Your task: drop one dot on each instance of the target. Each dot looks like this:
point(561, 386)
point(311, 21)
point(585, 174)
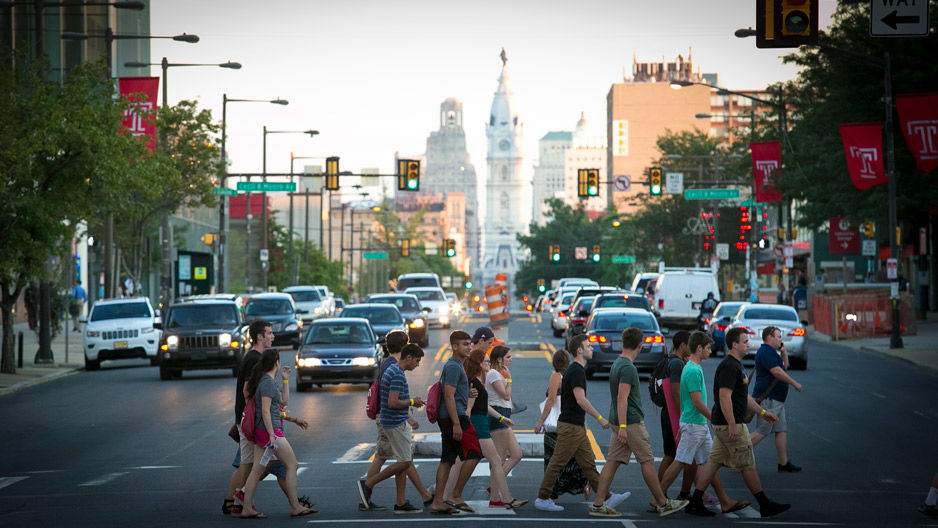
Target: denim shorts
point(494, 424)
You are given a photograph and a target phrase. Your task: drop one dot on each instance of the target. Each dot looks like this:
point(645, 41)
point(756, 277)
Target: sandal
point(738, 506)
point(515, 504)
point(226, 506)
point(305, 501)
point(257, 515)
point(448, 511)
point(307, 511)
point(429, 501)
point(462, 506)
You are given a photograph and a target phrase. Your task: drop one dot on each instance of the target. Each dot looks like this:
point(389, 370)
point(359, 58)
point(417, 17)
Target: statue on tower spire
point(504, 57)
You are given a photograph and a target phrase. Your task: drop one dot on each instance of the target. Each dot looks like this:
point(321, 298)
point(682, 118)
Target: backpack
point(656, 381)
point(434, 396)
point(247, 419)
point(373, 402)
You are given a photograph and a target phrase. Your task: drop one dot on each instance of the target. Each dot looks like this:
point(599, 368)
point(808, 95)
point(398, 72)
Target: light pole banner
point(918, 118)
point(766, 160)
point(141, 92)
point(863, 147)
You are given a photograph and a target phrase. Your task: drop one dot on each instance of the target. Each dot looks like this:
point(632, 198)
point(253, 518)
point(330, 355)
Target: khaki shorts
point(638, 443)
point(733, 455)
point(246, 446)
point(395, 443)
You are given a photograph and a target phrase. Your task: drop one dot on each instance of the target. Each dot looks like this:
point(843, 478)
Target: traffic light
point(408, 175)
point(541, 288)
point(654, 181)
point(786, 23)
point(449, 247)
point(869, 229)
point(781, 234)
point(405, 248)
point(332, 173)
point(208, 239)
point(596, 254)
point(587, 182)
point(468, 284)
point(555, 253)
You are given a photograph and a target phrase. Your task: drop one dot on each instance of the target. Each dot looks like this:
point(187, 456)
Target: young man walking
point(772, 381)
point(731, 445)
point(629, 434)
point(671, 412)
point(457, 435)
point(572, 441)
point(394, 437)
point(696, 442)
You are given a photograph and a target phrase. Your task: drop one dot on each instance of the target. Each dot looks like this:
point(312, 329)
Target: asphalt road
point(119, 446)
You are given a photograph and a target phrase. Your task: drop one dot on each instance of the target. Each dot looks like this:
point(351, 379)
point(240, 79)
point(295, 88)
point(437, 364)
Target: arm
point(552, 387)
point(754, 406)
point(303, 424)
point(265, 414)
point(699, 405)
point(500, 417)
point(587, 407)
point(449, 399)
point(784, 352)
point(285, 386)
point(622, 408)
point(674, 410)
point(783, 376)
point(503, 389)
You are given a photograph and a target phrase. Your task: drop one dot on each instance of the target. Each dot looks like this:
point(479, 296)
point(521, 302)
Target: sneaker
point(407, 507)
point(773, 508)
point(616, 499)
point(788, 468)
point(683, 496)
point(603, 511)
point(671, 506)
point(930, 511)
point(371, 507)
point(699, 510)
point(547, 505)
point(364, 492)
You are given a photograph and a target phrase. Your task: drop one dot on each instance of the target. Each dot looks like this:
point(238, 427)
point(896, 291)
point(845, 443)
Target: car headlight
point(416, 323)
point(92, 334)
point(223, 340)
point(444, 319)
point(290, 327)
point(172, 341)
point(317, 310)
point(444, 310)
point(363, 362)
point(308, 362)
point(147, 330)
point(299, 323)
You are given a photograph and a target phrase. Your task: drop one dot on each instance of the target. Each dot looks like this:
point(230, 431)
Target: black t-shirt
point(730, 375)
point(245, 366)
point(481, 405)
point(570, 410)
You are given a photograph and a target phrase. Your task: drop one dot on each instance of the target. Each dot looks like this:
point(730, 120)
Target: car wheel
point(177, 373)
point(302, 387)
point(92, 364)
point(165, 373)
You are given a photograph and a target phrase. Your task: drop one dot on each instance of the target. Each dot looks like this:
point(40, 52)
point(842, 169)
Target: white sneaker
point(547, 505)
point(616, 498)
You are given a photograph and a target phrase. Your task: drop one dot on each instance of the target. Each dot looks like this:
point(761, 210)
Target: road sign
point(710, 194)
point(723, 251)
point(623, 259)
point(430, 248)
point(674, 182)
point(580, 253)
point(225, 191)
point(200, 272)
point(899, 18)
point(789, 254)
point(892, 269)
point(266, 186)
point(842, 238)
point(869, 248)
point(264, 255)
point(375, 255)
point(622, 183)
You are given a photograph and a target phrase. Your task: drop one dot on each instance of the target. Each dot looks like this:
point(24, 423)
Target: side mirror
point(426, 310)
point(158, 324)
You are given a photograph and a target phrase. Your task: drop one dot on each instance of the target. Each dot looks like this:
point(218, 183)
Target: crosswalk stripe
point(104, 479)
point(9, 481)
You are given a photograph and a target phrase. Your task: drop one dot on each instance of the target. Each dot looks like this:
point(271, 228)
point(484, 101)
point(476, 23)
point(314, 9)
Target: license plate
point(198, 355)
point(120, 344)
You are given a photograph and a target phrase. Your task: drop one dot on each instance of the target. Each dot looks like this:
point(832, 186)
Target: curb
point(61, 373)
point(932, 369)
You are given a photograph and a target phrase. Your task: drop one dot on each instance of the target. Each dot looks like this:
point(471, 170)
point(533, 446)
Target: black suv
point(201, 334)
point(414, 316)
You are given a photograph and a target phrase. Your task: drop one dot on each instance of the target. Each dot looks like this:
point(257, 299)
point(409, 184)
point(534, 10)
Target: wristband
point(622, 426)
point(501, 418)
point(508, 380)
point(599, 418)
point(286, 381)
point(411, 402)
point(762, 413)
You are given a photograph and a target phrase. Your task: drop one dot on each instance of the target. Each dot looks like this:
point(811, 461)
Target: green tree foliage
point(835, 87)
point(318, 269)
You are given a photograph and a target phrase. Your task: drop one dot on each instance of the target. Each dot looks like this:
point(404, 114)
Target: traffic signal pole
point(895, 340)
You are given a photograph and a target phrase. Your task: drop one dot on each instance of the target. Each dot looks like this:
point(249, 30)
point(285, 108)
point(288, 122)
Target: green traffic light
point(411, 184)
point(593, 190)
point(450, 252)
point(555, 257)
point(655, 189)
point(541, 288)
point(596, 258)
point(468, 285)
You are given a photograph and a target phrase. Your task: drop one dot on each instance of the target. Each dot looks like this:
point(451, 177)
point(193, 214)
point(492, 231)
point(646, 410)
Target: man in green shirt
point(629, 434)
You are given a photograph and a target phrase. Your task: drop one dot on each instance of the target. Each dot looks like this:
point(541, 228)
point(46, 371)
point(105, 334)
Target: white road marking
point(9, 481)
point(878, 395)
point(43, 472)
point(481, 507)
point(104, 479)
point(155, 467)
point(474, 517)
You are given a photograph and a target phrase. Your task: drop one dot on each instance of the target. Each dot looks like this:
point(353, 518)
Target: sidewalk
point(920, 349)
point(33, 374)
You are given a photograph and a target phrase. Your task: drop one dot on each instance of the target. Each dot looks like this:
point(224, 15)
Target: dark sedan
point(337, 350)
point(604, 328)
point(280, 311)
point(414, 316)
point(383, 318)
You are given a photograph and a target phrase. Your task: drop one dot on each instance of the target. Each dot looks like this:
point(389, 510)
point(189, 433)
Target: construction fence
point(854, 315)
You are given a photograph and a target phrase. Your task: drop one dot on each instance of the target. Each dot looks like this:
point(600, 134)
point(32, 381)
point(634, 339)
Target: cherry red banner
point(766, 161)
point(918, 118)
point(141, 92)
point(863, 147)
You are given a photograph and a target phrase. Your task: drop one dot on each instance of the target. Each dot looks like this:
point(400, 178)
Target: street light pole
point(895, 339)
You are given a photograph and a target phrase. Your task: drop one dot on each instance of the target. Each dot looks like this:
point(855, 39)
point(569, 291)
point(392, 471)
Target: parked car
point(337, 350)
point(384, 318)
point(120, 329)
point(621, 299)
point(414, 316)
point(679, 294)
point(755, 317)
point(604, 329)
point(201, 334)
point(560, 317)
point(722, 317)
point(309, 299)
point(578, 314)
point(417, 280)
point(435, 300)
point(279, 310)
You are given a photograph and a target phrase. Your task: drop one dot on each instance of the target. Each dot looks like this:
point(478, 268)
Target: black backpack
point(660, 373)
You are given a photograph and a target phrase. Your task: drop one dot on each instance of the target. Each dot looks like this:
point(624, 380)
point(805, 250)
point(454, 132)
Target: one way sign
point(899, 18)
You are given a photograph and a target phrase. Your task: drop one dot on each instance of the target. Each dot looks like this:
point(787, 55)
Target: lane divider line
point(439, 353)
point(597, 452)
point(104, 479)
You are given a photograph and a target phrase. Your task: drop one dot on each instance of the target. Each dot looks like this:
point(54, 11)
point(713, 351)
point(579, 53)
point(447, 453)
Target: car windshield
point(374, 315)
point(269, 307)
point(770, 313)
point(413, 282)
point(202, 316)
point(583, 303)
point(621, 301)
point(339, 334)
point(727, 310)
point(106, 312)
point(567, 299)
point(428, 295)
point(619, 322)
point(404, 304)
point(305, 295)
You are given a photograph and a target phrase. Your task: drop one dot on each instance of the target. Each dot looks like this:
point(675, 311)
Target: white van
point(679, 294)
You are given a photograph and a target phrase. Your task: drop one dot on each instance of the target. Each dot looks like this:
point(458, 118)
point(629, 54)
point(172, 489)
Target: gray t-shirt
point(454, 375)
point(271, 388)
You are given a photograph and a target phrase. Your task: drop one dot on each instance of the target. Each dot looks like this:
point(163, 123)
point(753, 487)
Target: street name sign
point(623, 259)
point(266, 186)
point(899, 18)
point(710, 194)
point(674, 182)
point(375, 255)
point(225, 191)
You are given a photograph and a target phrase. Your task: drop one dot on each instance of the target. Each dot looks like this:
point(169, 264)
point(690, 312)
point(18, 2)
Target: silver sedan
point(755, 317)
point(560, 318)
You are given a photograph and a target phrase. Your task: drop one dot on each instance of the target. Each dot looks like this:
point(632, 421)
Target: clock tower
point(506, 214)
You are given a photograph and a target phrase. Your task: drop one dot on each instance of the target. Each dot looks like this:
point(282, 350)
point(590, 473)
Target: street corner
point(32, 376)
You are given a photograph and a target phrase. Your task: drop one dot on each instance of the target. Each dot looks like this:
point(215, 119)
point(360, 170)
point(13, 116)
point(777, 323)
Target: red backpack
point(247, 420)
point(434, 396)
point(373, 402)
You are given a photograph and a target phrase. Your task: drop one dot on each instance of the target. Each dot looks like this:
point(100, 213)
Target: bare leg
point(499, 483)
point(651, 480)
point(388, 472)
point(375, 467)
point(666, 462)
point(468, 466)
point(238, 478)
point(514, 452)
point(451, 481)
point(756, 438)
point(418, 484)
point(751, 478)
point(781, 447)
point(605, 481)
point(400, 483)
point(250, 484)
point(671, 474)
point(288, 458)
point(442, 474)
point(690, 473)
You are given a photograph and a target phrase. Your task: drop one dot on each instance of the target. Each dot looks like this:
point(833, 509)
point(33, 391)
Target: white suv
point(435, 300)
point(120, 329)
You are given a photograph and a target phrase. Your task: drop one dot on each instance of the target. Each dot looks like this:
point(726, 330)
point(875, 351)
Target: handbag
point(550, 422)
point(233, 433)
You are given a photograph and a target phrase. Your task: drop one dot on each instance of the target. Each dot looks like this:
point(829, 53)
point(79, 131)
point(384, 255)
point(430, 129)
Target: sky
point(370, 75)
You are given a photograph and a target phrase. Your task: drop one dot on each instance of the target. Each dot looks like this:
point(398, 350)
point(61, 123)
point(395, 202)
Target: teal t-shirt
point(624, 371)
point(692, 380)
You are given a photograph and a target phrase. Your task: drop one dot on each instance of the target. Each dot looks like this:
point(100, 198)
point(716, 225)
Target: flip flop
point(448, 511)
point(429, 501)
point(462, 506)
point(257, 515)
point(305, 512)
point(517, 503)
point(738, 506)
point(305, 501)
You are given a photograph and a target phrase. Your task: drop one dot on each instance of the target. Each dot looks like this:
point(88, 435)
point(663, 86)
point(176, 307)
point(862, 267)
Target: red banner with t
point(918, 118)
point(141, 92)
point(863, 148)
point(766, 161)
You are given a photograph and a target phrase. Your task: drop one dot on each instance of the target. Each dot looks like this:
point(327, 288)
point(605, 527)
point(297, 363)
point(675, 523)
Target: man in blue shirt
point(79, 298)
point(772, 383)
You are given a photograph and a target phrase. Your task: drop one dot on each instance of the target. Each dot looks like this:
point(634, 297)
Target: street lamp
point(109, 37)
point(165, 65)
